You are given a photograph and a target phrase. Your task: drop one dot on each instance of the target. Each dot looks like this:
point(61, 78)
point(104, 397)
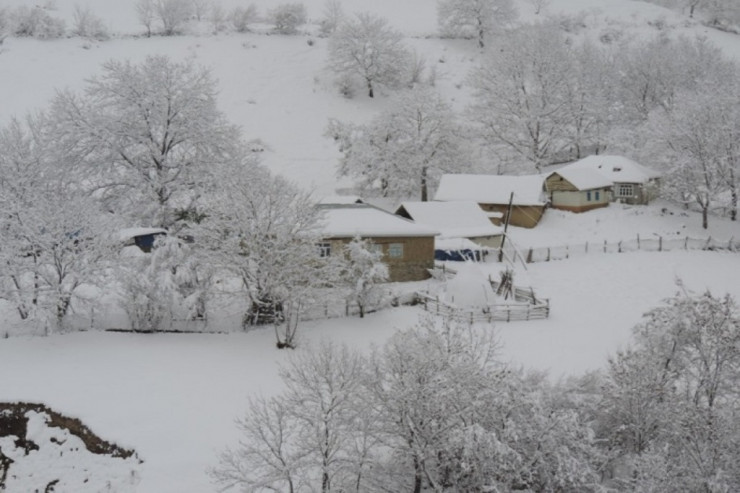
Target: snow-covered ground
point(174, 398)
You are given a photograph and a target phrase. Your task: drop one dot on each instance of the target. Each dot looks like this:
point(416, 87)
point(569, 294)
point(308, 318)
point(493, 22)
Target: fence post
point(638, 241)
point(471, 317)
point(548, 254)
point(567, 251)
point(346, 308)
point(438, 304)
point(508, 314)
point(686, 243)
point(660, 243)
point(604, 246)
point(729, 244)
point(529, 256)
point(619, 247)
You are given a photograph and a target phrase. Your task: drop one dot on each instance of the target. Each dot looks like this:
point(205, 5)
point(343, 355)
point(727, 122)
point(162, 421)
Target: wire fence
point(652, 244)
point(503, 312)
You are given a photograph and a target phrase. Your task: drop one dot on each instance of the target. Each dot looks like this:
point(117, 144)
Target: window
point(395, 250)
point(625, 190)
point(375, 248)
point(597, 195)
point(588, 196)
point(324, 249)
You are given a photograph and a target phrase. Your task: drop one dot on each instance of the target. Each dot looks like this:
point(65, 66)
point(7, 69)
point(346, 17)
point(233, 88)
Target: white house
point(632, 183)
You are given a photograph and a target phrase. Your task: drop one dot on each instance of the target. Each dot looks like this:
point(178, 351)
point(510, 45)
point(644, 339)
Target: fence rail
point(652, 244)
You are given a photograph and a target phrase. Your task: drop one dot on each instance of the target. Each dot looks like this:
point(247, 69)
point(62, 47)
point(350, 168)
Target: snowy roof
point(349, 220)
point(341, 199)
point(128, 233)
point(463, 219)
point(584, 178)
point(455, 244)
point(492, 189)
point(618, 169)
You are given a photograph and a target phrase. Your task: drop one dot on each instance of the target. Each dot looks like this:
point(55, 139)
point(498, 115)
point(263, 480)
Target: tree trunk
point(424, 187)
point(705, 216)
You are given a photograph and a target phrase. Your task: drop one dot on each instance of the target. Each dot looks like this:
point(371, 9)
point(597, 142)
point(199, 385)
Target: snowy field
point(174, 398)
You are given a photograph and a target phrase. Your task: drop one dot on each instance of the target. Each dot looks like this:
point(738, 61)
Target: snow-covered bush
point(88, 25)
point(288, 16)
point(242, 17)
point(364, 270)
point(36, 22)
point(173, 14)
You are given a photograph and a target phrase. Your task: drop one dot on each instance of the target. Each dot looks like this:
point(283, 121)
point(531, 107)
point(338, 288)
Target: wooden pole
point(506, 227)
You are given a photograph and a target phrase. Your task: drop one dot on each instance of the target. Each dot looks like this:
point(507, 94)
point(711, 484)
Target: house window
point(375, 248)
point(588, 196)
point(625, 190)
point(324, 249)
point(395, 250)
point(597, 195)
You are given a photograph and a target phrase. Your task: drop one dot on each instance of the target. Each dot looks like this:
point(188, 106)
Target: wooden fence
point(652, 244)
point(508, 312)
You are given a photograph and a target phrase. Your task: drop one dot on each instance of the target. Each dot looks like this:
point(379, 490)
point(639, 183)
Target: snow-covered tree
point(146, 15)
point(406, 149)
point(670, 400)
point(169, 283)
point(149, 136)
point(306, 437)
point(172, 14)
point(55, 237)
point(366, 47)
point(264, 230)
point(522, 95)
point(288, 16)
point(696, 141)
point(474, 18)
point(242, 17)
point(88, 25)
point(333, 14)
point(363, 270)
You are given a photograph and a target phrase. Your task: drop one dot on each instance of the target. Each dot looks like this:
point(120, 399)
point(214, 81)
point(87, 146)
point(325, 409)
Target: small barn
point(632, 183)
point(492, 194)
point(408, 248)
point(577, 190)
point(143, 238)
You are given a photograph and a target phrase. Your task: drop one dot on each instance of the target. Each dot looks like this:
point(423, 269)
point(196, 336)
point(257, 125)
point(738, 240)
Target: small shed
point(454, 220)
point(408, 248)
point(632, 183)
point(143, 238)
point(578, 190)
point(492, 194)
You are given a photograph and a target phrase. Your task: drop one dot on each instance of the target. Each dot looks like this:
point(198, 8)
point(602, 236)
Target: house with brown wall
point(408, 248)
point(492, 193)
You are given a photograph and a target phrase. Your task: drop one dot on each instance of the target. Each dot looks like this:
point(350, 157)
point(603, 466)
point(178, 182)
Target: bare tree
point(146, 14)
point(367, 48)
point(474, 18)
point(288, 16)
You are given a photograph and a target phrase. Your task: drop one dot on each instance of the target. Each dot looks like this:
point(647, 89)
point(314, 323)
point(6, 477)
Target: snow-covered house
point(493, 192)
point(408, 248)
point(463, 226)
point(632, 183)
point(141, 237)
point(578, 189)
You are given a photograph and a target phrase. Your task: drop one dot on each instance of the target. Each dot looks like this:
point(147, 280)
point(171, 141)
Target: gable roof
point(583, 178)
point(350, 220)
point(492, 189)
point(618, 169)
point(459, 219)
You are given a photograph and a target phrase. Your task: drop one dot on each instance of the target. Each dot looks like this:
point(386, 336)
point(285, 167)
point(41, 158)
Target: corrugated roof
point(492, 189)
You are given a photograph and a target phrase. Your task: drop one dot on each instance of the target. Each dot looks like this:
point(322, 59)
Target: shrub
point(288, 16)
point(36, 23)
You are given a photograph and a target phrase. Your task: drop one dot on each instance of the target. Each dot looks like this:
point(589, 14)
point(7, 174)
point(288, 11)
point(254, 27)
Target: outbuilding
point(577, 189)
point(492, 193)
